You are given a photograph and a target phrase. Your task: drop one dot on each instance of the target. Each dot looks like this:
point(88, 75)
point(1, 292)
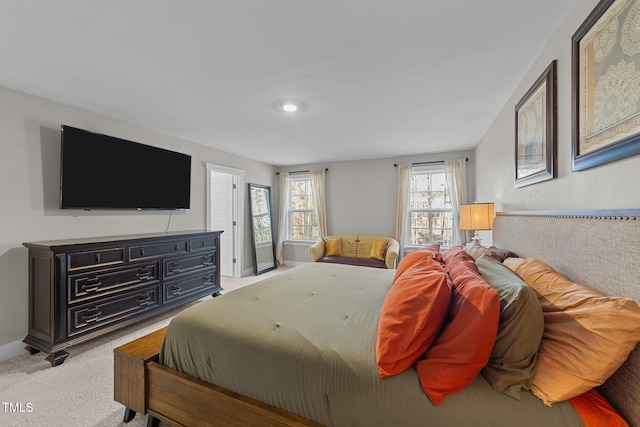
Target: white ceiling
point(380, 78)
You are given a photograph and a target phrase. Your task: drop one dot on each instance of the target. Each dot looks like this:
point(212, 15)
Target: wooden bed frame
point(145, 386)
point(599, 249)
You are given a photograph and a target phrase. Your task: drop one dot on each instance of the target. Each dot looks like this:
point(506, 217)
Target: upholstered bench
point(368, 251)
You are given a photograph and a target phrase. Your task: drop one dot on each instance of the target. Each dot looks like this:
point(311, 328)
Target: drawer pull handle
point(206, 281)
point(98, 257)
point(206, 261)
point(91, 315)
point(144, 273)
point(175, 290)
point(174, 267)
point(91, 285)
point(141, 251)
point(144, 299)
point(177, 247)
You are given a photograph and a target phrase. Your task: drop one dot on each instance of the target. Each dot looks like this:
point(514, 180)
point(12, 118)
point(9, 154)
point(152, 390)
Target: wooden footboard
point(144, 386)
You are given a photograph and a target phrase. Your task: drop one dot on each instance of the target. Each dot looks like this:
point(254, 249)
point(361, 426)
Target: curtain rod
point(435, 162)
point(307, 171)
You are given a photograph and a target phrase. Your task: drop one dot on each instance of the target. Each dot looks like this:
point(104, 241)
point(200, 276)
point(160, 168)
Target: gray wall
point(605, 187)
point(361, 196)
point(29, 186)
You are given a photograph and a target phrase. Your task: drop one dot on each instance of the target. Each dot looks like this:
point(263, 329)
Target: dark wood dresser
point(83, 288)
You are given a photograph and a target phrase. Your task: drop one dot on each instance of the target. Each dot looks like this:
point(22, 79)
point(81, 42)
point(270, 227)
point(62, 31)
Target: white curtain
point(456, 173)
point(283, 215)
point(402, 205)
point(318, 187)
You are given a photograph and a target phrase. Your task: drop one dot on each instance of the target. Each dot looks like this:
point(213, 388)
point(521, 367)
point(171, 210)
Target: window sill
point(299, 242)
point(409, 249)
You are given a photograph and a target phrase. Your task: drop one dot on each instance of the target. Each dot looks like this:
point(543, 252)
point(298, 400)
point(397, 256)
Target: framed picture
point(606, 85)
point(536, 131)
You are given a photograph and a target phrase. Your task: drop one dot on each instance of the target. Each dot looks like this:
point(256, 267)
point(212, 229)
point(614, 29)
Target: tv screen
point(104, 172)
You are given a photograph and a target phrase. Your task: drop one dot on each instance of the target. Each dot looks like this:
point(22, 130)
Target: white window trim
point(416, 170)
point(303, 176)
point(299, 242)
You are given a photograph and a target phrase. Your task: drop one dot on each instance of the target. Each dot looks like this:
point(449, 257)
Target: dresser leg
point(32, 350)
point(129, 414)
point(152, 421)
point(57, 358)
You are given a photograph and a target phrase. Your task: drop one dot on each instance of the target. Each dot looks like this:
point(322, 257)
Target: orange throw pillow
point(409, 259)
point(464, 345)
point(595, 411)
point(411, 317)
point(587, 336)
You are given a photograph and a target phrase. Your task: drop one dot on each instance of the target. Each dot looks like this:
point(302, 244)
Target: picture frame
point(606, 85)
point(536, 130)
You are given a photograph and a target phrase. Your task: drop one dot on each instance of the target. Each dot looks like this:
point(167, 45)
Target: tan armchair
point(370, 251)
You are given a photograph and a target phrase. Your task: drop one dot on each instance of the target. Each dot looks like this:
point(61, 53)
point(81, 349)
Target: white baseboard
point(11, 350)
point(251, 271)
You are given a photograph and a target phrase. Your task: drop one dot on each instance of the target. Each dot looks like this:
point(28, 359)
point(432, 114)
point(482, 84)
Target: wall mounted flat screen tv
point(103, 172)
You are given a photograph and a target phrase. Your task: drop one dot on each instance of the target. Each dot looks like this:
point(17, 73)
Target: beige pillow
point(587, 336)
point(332, 246)
point(476, 250)
point(513, 263)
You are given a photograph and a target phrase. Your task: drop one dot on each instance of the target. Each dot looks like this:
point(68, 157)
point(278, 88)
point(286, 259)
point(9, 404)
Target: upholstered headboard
point(598, 249)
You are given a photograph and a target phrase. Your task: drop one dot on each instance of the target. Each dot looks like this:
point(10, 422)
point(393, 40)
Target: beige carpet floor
point(80, 391)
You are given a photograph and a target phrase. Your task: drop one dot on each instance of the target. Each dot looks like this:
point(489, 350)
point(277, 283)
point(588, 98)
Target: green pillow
point(511, 366)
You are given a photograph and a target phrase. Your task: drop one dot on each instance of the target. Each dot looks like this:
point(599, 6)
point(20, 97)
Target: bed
point(300, 348)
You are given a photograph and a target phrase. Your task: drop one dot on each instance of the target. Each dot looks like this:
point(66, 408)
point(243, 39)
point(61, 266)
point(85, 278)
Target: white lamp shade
point(478, 216)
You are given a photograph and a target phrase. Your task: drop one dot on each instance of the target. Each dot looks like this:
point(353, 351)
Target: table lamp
point(476, 216)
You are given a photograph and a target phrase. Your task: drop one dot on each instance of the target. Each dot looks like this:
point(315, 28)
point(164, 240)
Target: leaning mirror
point(262, 228)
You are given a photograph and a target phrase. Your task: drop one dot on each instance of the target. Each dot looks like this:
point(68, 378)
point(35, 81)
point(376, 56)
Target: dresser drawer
point(102, 282)
point(203, 244)
point(107, 311)
point(183, 289)
point(159, 249)
point(96, 258)
point(175, 266)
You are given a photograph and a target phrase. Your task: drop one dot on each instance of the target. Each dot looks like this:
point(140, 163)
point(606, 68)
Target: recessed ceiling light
point(290, 106)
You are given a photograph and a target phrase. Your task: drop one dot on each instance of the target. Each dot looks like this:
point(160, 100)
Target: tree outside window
point(430, 212)
point(303, 221)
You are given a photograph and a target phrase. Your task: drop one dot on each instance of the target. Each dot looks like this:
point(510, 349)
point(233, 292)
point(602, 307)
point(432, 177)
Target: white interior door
point(222, 218)
point(223, 193)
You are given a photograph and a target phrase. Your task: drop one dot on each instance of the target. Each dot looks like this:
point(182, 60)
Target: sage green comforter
point(304, 341)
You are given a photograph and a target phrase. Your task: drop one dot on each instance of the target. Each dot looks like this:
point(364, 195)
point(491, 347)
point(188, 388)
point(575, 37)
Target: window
point(430, 212)
point(303, 221)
